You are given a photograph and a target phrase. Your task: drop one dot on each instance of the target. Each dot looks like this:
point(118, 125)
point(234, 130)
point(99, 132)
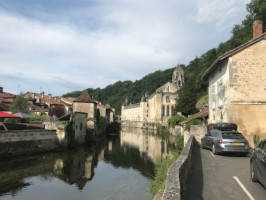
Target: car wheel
point(214, 150)
point(252, 172)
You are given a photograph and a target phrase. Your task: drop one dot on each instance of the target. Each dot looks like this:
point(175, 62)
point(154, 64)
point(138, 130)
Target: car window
point(232, 135)
point(214, 134)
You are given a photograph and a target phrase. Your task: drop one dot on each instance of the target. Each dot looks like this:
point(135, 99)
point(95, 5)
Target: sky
point(59, 46)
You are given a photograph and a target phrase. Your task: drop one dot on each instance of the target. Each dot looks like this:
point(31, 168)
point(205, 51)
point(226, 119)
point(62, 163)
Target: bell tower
point(178, 76)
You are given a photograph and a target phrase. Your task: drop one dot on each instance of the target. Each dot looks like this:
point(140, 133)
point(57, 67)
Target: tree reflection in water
point(133, 149)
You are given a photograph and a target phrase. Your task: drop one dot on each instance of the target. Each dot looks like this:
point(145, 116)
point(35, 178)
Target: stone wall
point(198, 131)
point(18, 142)
point(177, 174)
point(250, 120)
point(80, 126)
point(133, 112)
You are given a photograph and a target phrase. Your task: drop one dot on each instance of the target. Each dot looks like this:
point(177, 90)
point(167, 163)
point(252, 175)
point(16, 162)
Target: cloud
point(96, 43)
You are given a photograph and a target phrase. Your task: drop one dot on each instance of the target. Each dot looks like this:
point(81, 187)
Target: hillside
point(194, 87)
point(116, 93)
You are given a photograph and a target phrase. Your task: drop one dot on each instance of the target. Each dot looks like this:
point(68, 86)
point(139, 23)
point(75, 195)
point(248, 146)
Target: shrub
point(256, 140)
point(174, 120)
point(193, 122)
point(161, 174)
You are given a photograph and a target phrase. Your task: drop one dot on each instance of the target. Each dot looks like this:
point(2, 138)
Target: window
point(162, 110)
point(167, 99)
point(167, 110)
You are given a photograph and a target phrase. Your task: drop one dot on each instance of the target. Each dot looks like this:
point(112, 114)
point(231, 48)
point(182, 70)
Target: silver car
point(225, 142)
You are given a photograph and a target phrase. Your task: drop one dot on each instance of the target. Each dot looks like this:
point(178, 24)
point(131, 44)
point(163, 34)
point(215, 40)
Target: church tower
point(178, 77)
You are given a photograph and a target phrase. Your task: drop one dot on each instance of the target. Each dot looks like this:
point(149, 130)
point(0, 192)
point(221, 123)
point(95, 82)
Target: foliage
point(113, 127)
point(116, 93)
point(38, 119)
point(70, 134)
point(19, 104)
point(187, 98)
point(102, 119)
point(194, 87)
point(3, 108)
point(174, 120)
point(161, 174)
point(193, 122)
point(202, 101)
point(256, 140)
point(57, 111)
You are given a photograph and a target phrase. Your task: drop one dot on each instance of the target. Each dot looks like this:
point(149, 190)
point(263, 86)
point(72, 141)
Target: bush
point(174, 120)
point(193, 122)
point(161, 175)
point(38, 119)
point(256, 140)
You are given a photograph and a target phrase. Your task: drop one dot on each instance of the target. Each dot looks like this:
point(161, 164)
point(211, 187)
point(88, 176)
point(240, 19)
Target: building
point(157, 107)
point(6, 99)
point(107, 112)
point(42, 103)
point(237, 86)
point(85, 104)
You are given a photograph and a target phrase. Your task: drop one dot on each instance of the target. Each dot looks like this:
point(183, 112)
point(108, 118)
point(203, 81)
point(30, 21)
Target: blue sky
point(59, 46)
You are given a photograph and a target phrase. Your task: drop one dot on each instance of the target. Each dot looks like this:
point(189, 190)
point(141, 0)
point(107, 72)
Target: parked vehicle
point(258, 163)
point(226, 140)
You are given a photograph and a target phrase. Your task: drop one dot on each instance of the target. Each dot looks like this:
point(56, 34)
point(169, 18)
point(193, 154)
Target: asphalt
point(215, 177)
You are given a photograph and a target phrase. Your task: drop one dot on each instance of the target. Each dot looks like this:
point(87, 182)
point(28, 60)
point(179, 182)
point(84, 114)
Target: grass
point(161, 174)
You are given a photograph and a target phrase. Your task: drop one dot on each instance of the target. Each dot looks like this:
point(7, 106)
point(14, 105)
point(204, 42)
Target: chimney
point(49, 95)
point(42, 95)
point(1, 89)
point(257, 28)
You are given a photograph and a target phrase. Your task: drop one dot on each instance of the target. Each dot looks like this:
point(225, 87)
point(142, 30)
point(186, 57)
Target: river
point(116, 168)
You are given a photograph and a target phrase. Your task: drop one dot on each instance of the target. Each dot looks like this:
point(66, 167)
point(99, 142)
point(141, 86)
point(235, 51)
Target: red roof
point(7, 95)
point(49, 99)
point(202, 114)
point(85, 98)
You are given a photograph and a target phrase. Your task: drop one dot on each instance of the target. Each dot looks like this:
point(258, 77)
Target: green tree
point(186, 102)
point(19, 104)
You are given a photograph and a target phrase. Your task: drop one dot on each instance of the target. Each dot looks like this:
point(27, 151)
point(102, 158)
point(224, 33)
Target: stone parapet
point(177, 174)
point(19, 142)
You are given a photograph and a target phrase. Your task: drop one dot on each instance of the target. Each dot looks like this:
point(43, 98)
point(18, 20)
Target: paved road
point(219, 178)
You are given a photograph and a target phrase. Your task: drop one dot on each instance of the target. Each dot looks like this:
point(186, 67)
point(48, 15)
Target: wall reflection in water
point(134, 149)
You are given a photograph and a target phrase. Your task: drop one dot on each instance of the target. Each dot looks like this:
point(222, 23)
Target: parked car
point(258, 163)
point(225, 139)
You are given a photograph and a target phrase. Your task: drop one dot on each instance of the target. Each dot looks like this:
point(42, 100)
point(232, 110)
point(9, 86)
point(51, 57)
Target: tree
point(19, 104)
point(187, 98)
point(57, 111)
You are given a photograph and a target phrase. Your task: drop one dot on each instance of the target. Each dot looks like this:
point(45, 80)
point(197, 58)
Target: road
point(221, 177)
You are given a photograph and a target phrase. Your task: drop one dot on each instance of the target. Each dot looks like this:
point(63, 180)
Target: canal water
point(119, 167)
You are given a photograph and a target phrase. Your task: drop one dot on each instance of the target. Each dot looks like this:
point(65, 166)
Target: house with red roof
point(6, 98)
point(42, 103)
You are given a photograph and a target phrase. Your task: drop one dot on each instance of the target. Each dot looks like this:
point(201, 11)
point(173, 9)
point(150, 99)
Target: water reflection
point(134, 149)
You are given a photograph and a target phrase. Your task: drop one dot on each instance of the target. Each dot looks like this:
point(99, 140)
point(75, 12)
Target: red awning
point(7, 115)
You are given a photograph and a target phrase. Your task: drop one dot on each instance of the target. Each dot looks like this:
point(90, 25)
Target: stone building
point(158, 107)
point(42, 103)
point(85, 104)
point(6, 98)
point(237, 87)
